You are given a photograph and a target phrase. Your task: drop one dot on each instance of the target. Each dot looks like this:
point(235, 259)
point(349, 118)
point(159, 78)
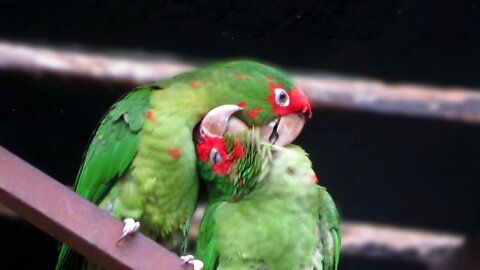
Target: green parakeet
point(141, 162)
point(265, 210)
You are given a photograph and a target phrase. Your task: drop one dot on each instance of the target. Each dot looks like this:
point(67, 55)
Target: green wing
point(111, 151)
point(206, 250)
point(329, 223)
point(113, 146)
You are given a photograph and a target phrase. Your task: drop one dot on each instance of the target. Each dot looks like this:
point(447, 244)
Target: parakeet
point(265, 210)
point(141, 163)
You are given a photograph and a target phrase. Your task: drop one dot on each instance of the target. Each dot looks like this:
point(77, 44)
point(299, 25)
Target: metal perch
point(69, 218)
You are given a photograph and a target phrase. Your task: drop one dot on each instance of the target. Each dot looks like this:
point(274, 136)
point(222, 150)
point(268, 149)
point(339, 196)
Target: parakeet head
point(227, 153)
point(265, 94)
point(266, 91)
point(235, 159)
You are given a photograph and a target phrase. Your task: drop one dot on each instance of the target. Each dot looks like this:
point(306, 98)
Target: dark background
point(389, 169)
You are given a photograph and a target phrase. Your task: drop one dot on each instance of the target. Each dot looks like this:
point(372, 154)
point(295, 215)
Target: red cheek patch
point(272, 99)
point(205, 147)
point(298, 101)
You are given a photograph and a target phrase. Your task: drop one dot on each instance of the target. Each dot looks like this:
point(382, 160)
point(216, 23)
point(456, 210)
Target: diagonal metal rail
point(69, 218)
point(459, 104)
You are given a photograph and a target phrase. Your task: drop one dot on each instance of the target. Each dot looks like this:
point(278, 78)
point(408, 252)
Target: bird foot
point(197, 264)
point(131, 226)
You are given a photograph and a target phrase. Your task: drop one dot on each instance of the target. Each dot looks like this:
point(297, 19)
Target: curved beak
point(281, 131)
point(284, 130)
point(220, 121)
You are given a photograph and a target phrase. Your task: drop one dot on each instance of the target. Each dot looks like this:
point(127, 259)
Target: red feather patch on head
point(239, 151)
point(242, 104)
point(204, 150)
point(298, 102)
point(207, 144)
point(251, 113)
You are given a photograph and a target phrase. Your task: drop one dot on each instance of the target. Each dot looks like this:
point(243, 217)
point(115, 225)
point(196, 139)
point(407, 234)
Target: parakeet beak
point(284, 130)
point(219, 121)
point(281, 131)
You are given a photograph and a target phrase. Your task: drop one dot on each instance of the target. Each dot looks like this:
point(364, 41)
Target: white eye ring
point(281, 97)
point(215, 157)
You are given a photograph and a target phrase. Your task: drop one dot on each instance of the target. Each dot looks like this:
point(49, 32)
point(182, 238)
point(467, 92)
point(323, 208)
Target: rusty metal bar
point(458, 104)
point(71, 219)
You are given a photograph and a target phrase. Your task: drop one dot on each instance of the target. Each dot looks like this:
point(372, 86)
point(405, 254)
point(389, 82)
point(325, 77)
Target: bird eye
point(282, 97)
point(215, 157)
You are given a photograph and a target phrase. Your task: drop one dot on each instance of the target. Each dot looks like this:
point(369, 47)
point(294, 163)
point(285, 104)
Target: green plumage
point(283, 220)
point(141, 162)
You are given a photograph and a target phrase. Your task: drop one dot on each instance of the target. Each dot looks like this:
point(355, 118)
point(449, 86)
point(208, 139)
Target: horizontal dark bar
point(455, 103)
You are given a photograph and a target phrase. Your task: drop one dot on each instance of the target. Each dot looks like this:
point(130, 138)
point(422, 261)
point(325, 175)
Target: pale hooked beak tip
point(284, 130)
point(281, 131)
point(220, 121)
